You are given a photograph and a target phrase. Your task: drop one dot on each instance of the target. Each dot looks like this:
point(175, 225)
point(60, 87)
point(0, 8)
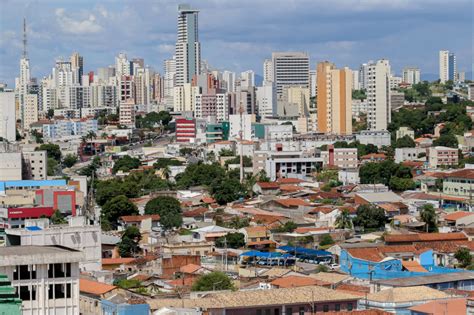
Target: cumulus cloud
point(88, 25)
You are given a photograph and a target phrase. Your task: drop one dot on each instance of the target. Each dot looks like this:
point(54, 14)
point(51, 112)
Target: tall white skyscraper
point(7, 115)
point(411, 75)
point(122, 66)
point(447, 66)
point(229, 78)
point(363, 75)
point(268, 70)
point(188, 48)
point(355, 80)
point(378, 95)
point(77, 64)
point(247, 79)
point(266, 101)
point(290, 69)
point(169, 81)
point(313, 86)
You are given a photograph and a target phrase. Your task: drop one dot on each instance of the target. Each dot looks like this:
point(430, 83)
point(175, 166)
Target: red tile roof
point(373, 156)
point(94, 287)
point(465, 173)
point(117, 261)
point(189, 268)
point(290, 180)
point(268, 185)
point(292, 202)
point(457, 215)
point(290, 188)
point(413, 266)
point(195, 212)
point(264, 242)
point(139, 218)
point(208, 200)
point(450, 306)
point(297, 281)
point(424, 237)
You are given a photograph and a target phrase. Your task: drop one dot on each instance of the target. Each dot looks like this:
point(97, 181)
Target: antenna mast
point(25, 54)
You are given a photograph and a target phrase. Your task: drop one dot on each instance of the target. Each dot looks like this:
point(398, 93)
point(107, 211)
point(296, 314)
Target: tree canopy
point(153, 119)
point(69, 160)
point(428, 215)
point(405, 142)
point(169, 210)
point(387, 172)
point(234, 240)
point(116, 207)
point(52, 150)
point(370, 217)
point(125, 164)
point(213, 281)
point(128, 246)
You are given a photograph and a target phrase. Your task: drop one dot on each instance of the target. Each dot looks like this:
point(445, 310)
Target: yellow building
point(334, 99)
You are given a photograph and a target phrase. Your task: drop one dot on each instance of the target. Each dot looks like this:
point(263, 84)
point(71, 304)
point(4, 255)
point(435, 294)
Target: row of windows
point(28, 272)
point(301, 310)
point(55, 291)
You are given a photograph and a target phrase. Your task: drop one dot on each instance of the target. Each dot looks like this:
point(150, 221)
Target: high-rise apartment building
point(313, 86)
point(363, 76)
point(298, 97)
point(334, 99)
point(122, 66)
point(266, 101)
point(229, 80)
point(30, 111)
point(188, 48)
point(268, 70)
point(7, 115)
point(355, 80)
point(447, 66)
point(290, 69)
point(247, 79)
point(127, 113)
point(411, 75)
point(77, 64)
point(378, 95)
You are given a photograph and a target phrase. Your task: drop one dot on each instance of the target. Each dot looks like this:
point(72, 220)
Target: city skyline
point(231, 38)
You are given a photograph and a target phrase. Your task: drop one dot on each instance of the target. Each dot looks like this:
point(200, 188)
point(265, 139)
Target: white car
point(334, 266)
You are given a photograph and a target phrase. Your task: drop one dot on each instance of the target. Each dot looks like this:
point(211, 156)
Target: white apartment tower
point(7, 115)
point(247, 79)
point(378, 95)
point(122, 66)
point(411, 75)
point(290, 69)
point(229, 79)
point(266, 100)
point(447, 66)
point(268, 70)
point(188, 49)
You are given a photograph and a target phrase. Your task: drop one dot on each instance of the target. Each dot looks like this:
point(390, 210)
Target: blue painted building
point(372, 263)
point(111, 308)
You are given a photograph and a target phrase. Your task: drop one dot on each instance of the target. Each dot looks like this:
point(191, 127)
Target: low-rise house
point(398, 300)
point(299, 300)
point(210, 233)
point(441, 307)
point(459, 218)
point(91, 295)
point(408, 239)
point(257, 237)
point(459, 183)
point(291, 207)
point(266, 188)
point(297, 281)
point(143, 222)
point(373, 157)
point(376, 198)
point(461, 280)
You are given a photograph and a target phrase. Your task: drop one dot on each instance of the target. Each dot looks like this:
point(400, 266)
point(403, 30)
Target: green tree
point(58, 218)
point(446, 140)
point(463, 256)
point(164, 162)
point(50, 113)
point(287, 227)
point(234, 240)
point(226, 152)
point(428, 215)
point(129, 244)
point(216, 280)
point(344, 221)
point(405, 142)
point(52, 166)
point(125, 164)
point(247, 160)
point(370, 217)
point(327, 175)
point(401, 184)
point(169, 210)
point(226, 190)
point(359, 94)
point(262, 176)
point(116, 207)
point(325, 240)
point(53, 150)
point(69, 160)
point(127, 283)
point(185, 151)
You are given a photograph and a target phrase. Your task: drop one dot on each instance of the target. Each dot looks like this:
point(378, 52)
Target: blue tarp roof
point(256, 253)
point(305, 251)
point(33, 228)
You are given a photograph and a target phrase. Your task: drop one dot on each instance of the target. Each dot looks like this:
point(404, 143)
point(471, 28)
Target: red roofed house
point(91, 293)
point(290, 207)
point(257, 237)
point(373, 157)
point(297, 281)
point(403, 239)
point(144, 222)
point(459, 218)
point(266, 188)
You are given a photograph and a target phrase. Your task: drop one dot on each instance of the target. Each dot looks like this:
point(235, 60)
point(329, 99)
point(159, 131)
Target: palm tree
point(428, 215)
point(91, 135)
point(344, 221)
point(166, 172)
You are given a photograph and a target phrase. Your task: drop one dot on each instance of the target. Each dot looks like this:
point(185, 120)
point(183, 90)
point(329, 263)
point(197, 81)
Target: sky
point(237, 35)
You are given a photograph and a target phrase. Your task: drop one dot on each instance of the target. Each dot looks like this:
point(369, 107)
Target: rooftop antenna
point(25, 54)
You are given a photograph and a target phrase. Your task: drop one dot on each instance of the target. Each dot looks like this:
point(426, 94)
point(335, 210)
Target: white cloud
point(165, 48)
point(70, 25)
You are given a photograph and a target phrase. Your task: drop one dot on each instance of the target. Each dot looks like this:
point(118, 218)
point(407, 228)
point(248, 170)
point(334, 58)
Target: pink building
point(442, 156)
